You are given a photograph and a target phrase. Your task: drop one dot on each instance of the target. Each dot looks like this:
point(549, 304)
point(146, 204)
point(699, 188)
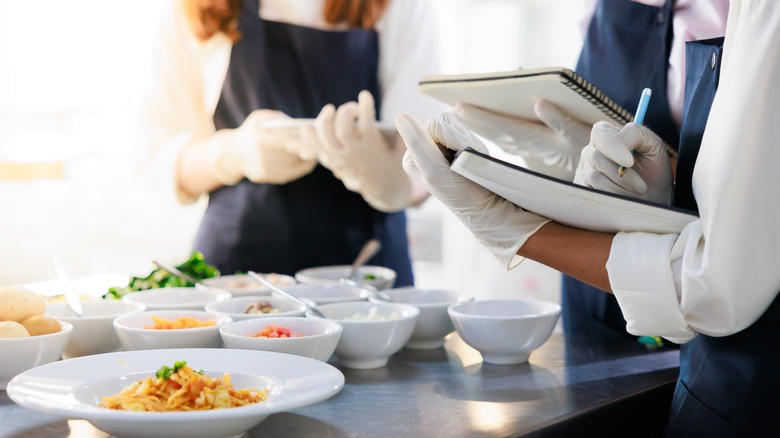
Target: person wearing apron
point(285, 67)
point(641, 37)
point(315, 220)
point(712, 288)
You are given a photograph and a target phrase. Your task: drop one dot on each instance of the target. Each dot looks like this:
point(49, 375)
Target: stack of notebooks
point(515, 93)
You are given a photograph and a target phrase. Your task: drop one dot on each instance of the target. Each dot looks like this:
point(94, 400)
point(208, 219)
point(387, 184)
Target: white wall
point(67, 73)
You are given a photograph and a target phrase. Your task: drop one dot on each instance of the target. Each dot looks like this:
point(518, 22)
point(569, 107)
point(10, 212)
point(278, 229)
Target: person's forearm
point(193, 173)
point(578, 253)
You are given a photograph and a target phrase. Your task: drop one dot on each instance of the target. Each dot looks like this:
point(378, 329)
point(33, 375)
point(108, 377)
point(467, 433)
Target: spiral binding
point(596, 97)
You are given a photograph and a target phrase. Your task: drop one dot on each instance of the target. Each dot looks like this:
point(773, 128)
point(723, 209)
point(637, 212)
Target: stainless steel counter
point(569, 385)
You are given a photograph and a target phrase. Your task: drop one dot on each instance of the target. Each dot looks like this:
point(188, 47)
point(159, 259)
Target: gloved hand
point(551, 147)
point(499, 225)
point(255, 153)
point(359, 155)
point(648, 173)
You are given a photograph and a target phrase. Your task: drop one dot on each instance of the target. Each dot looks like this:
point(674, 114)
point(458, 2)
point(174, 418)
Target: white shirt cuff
point(647, 295)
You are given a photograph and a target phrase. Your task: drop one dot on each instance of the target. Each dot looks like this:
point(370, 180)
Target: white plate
point(75, 387)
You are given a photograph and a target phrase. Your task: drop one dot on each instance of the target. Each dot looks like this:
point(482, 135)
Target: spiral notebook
point(515, 93)
point(568, 203)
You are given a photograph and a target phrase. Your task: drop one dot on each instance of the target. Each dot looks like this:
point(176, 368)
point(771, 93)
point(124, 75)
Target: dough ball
point(41, 325)
point(12, 329)
point(18, 304)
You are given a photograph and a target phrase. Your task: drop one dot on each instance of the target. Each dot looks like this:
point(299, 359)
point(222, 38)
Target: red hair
point(211, 16)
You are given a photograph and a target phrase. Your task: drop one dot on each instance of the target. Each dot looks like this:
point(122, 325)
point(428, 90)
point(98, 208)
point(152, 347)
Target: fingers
point(447, 131)
point(366, 117)
point(606, 139)
point(599, 171)
point(562, 122)
point(644, 141)
point(324, 126)
point(423, 154)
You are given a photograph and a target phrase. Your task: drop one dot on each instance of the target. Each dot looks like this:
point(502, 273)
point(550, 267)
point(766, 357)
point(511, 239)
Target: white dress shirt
point(720, 274)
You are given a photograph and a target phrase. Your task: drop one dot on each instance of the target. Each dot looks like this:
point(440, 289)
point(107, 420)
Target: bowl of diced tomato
point(315, 338)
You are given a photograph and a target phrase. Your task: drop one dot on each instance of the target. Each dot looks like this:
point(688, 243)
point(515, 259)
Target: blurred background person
point(223, 69)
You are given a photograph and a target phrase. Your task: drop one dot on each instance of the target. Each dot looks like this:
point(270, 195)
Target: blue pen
point(641, 110)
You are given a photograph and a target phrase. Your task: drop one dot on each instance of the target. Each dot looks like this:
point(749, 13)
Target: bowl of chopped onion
point(433, 323)
point(157, 329)
point(315, 338)
point(372, 331)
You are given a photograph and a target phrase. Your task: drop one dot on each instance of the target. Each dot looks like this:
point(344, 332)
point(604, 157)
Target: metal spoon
point(370, 288)
point(71, 295)
point(175, 271)
point(366, 252)
point(285, 294)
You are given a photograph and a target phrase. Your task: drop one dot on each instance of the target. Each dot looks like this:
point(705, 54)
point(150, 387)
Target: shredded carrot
point(183, 322)
point(184, 390)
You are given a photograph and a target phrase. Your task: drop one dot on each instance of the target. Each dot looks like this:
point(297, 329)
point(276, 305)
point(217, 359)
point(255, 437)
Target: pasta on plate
point(182, 389)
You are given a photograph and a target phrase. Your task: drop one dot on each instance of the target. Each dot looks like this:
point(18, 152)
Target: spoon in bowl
point(370, 288)
point(175, 271)
point(368, 250)
point(71, 294)
point(285, 294)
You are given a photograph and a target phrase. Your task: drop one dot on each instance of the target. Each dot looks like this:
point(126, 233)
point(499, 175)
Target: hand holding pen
point(639, 118)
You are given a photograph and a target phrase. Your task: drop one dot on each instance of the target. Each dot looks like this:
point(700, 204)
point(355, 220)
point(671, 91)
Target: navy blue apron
point(315, 220)
point(728, 386)
point(626, 49)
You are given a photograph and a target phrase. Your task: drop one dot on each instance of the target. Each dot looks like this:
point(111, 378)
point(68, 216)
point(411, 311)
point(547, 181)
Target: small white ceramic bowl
point(367, 344)
point(235, 307)
point(434, 322)
point(377, 276)
point(134, 335)
point(327, 293)
point(240, 285)
point(505, 331)
point(319, 340)
point(21, 354)
point(177, 298)
point(93, 331)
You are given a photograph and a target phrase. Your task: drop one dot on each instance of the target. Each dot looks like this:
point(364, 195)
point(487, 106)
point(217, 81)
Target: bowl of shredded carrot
point(156, 329)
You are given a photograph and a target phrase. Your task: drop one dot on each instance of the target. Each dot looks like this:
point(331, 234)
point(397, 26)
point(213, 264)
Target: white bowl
point(327, 293)
point(240, 285)
point(18, 355)
point(367, 344)
point(176, 298)
point(234, 307)
point(319, 340)
point(93, 331)
point(505, 331)
point(134, 335)
point(433, 323)
point(383, 278)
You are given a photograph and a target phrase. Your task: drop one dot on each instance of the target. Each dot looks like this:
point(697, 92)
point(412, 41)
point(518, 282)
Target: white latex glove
point(255, 153)
point(499, 225)
point(350, 144)
point(551, 147)
point(648, 173)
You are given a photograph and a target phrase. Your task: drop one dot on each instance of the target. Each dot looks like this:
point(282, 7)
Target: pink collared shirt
point(693, 20)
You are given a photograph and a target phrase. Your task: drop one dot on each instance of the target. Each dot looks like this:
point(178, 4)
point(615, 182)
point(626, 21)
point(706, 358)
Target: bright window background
point(69, 184)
